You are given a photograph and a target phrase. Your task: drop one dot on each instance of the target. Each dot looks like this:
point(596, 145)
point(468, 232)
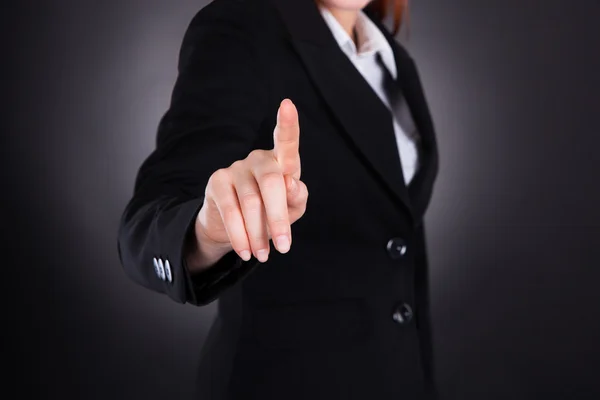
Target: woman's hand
point(253, 200)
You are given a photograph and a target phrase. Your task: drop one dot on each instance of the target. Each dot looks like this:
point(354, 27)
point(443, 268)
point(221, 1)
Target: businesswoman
point(321, 296)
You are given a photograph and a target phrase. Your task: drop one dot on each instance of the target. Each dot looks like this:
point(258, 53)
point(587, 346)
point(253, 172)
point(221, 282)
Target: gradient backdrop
point(514, 226)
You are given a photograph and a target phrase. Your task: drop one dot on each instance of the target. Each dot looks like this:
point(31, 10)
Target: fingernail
point(283, 243)
point(245, 254)
point(262, 255)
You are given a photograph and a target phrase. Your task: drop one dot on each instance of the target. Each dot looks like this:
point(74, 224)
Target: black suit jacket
point(317, 322)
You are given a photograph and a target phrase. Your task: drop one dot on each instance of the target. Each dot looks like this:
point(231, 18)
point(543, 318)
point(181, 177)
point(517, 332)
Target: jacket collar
point(359, 111)
point(370, 38)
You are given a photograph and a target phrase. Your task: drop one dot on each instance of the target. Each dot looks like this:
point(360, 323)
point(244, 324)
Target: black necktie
point(398, 106)
point(391, 88)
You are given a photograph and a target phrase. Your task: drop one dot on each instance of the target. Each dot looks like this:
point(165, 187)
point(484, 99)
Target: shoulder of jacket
point(402, 50)
point(241, 13)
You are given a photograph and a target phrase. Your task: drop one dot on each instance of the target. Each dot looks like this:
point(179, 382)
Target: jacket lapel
point(409, 82)
point(355, 105)
point(421, 186)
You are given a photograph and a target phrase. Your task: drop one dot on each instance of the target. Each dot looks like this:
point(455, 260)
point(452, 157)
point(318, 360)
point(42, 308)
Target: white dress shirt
point(370, 41)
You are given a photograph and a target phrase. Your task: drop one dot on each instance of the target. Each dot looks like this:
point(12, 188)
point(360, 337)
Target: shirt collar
point(370, 39)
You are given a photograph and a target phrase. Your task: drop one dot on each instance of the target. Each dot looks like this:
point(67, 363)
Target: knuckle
point(258, 242)
point(251, 201)
point(237, 247)
point(220, 176)
point(237, 164)
point(229, 212)
point(271, 179)
point(241, 242)
point(278, 222)
point(288, 139)
point(280, 229)
point(300, 194)
point(256, 155)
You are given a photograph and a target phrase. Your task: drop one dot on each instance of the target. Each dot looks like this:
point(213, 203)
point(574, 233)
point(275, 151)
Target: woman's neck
point(346, 18)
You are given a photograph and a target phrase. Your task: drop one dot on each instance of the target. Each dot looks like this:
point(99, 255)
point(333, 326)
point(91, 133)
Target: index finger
point(286, 138)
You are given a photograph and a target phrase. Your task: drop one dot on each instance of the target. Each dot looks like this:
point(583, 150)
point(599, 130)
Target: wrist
point(200, 255)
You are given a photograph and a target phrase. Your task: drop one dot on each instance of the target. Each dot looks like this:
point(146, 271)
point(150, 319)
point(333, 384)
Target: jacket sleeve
point(217, 107)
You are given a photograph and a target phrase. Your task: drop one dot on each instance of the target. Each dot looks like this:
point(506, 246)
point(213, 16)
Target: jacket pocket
point(311, 324)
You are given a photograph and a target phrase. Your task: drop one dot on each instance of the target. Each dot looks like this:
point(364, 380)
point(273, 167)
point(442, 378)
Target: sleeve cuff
point(204, 287)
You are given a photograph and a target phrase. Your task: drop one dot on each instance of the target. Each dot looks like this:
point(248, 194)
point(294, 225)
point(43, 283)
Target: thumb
point(297, 193)
point(291, 184)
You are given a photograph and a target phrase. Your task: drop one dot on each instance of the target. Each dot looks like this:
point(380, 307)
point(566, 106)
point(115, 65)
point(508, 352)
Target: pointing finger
point(286, 138)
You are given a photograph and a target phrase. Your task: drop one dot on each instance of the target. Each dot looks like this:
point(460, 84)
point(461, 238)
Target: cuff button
point(168, 272)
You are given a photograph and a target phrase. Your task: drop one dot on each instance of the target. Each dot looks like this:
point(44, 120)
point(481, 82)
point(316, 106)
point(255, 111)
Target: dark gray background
point(514, 226)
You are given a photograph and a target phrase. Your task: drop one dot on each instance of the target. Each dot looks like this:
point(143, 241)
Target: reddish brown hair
point(382, 9)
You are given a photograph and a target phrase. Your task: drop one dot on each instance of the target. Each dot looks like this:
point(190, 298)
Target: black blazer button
point(396, 248)
point(403, 314)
